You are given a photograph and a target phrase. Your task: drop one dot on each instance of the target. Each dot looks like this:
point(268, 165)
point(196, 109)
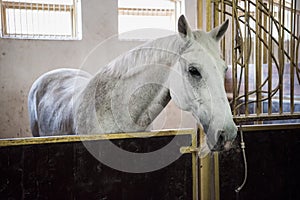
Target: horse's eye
point(194, 71)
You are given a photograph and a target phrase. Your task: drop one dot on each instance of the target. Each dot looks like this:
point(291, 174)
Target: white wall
point(23, 61)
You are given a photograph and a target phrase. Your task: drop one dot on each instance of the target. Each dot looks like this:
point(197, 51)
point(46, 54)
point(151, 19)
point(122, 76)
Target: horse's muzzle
point(222, 144)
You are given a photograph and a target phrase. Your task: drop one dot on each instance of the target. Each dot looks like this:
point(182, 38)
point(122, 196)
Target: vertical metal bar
point(31, 9)
point(199, 141)
point(292, 61)
point(36, 18)
point(4, 19)
point(14, 16)
point(298, 20)
point(20, 18)
point(281, 56)
point(216, 176)
point(216, 14)
point(26, 19)
point(200, 14)
point(7, 13)
point(246, 57)
point(205, 172)
point(49, 24)
point(258, 67)
point(43, 32)
point(73, 13)
point(208, 15)
point(297, 33)
point(265, 49)
point(270, 52)
point(234, 63)
point(223, 42)
point(195, 165)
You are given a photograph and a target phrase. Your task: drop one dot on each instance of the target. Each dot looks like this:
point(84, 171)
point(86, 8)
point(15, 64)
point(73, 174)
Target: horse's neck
point(160, 52)
point(132, 90)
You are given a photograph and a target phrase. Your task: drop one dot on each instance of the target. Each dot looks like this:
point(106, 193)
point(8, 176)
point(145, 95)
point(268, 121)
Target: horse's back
point(50, 101)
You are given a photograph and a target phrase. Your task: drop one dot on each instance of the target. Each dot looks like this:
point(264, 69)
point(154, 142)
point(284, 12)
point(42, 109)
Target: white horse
point(129, 93)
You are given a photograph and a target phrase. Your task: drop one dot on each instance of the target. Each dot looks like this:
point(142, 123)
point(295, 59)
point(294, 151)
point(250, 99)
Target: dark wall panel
point(273, 166)
point(69, 171)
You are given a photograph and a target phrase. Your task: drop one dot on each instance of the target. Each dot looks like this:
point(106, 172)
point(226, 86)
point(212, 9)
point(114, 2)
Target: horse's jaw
point(220, 132)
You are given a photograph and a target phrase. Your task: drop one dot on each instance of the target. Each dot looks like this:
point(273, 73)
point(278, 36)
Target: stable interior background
point(23, 61)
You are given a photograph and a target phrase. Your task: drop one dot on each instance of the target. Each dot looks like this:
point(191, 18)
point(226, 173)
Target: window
point(41, 19)
point(159, 17)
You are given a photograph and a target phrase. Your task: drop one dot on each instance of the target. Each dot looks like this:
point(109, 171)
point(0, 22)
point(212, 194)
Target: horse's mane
point(162, 49)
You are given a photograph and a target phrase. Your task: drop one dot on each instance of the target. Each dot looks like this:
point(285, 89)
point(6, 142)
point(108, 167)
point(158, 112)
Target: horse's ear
point(218, 32)
point(184, 27)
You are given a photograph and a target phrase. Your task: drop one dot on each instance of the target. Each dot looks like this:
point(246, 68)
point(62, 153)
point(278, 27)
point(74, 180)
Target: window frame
point(74, 9)
point(179, 8)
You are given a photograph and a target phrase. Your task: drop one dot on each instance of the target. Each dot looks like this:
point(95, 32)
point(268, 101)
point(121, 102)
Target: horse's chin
point(222, 147)
point(227, 145)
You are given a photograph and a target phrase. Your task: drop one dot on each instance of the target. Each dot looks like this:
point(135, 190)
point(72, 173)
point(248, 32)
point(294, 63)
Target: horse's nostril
point(219, 146)
point(221, 139)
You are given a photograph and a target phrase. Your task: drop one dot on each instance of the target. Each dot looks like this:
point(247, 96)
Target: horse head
point(197, 83)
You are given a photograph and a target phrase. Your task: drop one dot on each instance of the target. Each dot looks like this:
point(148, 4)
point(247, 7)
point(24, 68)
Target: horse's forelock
point(207, 43)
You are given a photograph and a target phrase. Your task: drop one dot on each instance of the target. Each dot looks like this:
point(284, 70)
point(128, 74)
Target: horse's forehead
point(198, 53)
point(203, 48)
point(203, 41)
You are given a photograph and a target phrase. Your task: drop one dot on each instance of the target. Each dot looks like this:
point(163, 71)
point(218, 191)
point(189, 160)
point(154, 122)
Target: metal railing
point(262, 49)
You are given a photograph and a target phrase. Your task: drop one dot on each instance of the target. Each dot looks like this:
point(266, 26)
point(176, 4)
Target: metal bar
point(20, 18)
point(281, 56)
point(73, 18)
point(199, 141)
point(266, 117)
point(205, 167)
point(246, 57)
point(200, 14)
point(269, 127)
point(208, 15)
point(223, 42)
point(270, 52)
point(265, 49)
point(195, 164)
point(3, 17)
point(31, 7)
point(258, 67)
point(79, 138)
point(297, 21)
point(292, 63)
point(14, 19)
point(216, 14)
point(234, 62)
point(216, 176)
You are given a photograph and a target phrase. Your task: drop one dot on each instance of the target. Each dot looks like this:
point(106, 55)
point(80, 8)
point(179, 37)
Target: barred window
point(41, 19)
point(135, 15)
